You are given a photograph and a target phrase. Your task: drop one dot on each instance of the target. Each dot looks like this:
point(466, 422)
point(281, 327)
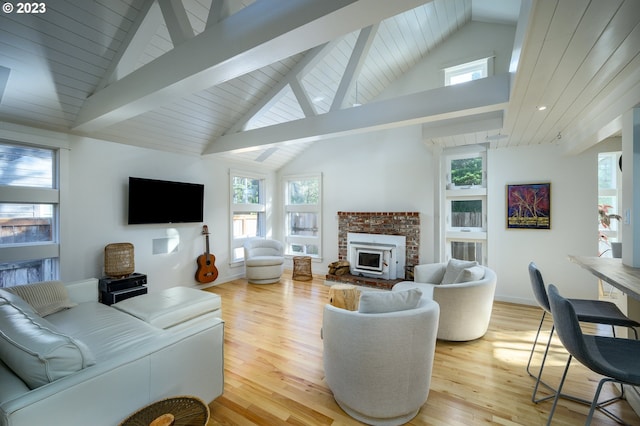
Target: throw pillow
point(378, 302)
point(46, 297)
point(454, 267)
point(35, 351)
point(474, 273)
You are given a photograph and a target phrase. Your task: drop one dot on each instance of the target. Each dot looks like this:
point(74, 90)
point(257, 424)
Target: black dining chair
point(614, 358)
point(589, 311)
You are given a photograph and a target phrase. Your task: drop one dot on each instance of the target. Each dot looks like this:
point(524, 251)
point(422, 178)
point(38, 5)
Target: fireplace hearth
point(403, 224)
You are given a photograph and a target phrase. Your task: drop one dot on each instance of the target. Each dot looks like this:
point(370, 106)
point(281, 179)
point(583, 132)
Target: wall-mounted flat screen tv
point(161, 201)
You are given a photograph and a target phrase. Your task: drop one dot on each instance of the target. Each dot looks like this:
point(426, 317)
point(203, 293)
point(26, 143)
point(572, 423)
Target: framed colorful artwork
point(529, 206)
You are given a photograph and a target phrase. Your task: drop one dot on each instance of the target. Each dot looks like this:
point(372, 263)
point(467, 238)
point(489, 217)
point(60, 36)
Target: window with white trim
point(29, 205)
point(302, 210)
point(609, 183)
point(466, 206)
point(248, 210)
point(469, 71)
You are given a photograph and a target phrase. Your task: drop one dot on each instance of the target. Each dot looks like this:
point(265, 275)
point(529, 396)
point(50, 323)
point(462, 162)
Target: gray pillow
point(475, 273)
point(378, 302)
point(454, 267)
point(46, 297)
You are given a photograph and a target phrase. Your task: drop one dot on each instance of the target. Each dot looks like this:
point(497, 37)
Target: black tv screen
point(161, 201)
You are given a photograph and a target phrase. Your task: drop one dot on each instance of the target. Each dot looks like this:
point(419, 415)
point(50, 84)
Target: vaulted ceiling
point(258, 81)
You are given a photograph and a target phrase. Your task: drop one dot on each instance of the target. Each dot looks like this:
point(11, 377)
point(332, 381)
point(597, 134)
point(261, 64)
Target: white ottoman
point(172, 306)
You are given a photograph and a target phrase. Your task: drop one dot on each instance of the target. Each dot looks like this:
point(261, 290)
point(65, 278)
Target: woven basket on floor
point(187, 411)
point(118, 260)
point(302, 268)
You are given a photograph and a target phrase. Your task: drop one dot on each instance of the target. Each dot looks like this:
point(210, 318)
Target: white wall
point(573, 221)
point(475, 40)
point(95, 213)
point(382, 171)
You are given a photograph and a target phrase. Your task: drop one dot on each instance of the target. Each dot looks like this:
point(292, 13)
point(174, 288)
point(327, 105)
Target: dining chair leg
point(557, 395)
point(535, 342)
point(539, 377)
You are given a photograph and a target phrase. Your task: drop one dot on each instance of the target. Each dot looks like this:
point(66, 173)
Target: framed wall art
point(529, 206)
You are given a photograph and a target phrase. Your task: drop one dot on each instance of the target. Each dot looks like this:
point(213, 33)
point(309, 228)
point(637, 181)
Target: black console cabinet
point(113, 290)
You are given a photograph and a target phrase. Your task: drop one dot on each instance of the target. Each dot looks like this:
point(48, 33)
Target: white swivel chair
point(263, 260)
point(378, 365)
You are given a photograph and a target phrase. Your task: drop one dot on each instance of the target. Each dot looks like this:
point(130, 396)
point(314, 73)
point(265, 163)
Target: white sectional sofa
point(92, 364)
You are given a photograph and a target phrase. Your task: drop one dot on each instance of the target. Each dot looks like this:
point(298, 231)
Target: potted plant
point(605, 219)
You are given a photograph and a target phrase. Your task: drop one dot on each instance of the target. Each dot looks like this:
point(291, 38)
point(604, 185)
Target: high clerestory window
point(469, 71)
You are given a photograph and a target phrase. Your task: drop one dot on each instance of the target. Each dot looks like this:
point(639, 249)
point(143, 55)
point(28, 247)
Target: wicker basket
point(302, 268)
point(186, 411)
point(118, 260)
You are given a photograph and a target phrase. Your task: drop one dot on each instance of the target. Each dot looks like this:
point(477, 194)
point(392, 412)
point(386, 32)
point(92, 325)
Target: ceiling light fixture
point(356, 102)
point(541, 107)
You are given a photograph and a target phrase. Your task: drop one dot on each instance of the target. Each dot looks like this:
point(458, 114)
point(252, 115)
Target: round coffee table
point(175, 411)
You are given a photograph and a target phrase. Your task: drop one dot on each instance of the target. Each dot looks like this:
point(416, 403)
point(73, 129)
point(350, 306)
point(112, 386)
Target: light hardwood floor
point(274, 373)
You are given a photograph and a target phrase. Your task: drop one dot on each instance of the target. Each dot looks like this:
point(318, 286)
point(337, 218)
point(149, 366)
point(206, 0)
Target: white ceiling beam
point(258, 35)
point(217, 12)
point(136, 40)
point(463, 125)
point(352, 70)
point(303, 98)
point(468, 99)
point(177, 21)
point(312, 57)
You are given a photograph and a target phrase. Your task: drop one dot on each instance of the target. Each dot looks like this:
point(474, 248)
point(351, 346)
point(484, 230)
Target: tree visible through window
point(302, 215)
point(248, 210)
point(466, 171)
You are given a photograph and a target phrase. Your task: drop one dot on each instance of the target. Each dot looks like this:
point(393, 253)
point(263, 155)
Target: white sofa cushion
point(475, 273)
point(378, 302)
point(454, 267)
point(171, 306)
point(34, 350)
point(46, 297)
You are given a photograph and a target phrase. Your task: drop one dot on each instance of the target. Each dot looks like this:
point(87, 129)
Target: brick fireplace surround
point(406, 224)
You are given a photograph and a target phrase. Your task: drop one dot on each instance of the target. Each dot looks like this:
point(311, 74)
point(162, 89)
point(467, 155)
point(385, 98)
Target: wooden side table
point(345, 296)
point(302, 268)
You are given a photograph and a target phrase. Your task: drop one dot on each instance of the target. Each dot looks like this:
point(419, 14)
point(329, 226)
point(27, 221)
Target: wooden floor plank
point(274, 373)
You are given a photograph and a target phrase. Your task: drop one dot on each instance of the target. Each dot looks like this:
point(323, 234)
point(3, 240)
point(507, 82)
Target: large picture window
point(303, 207)
point(248, 209)
point(28, 215)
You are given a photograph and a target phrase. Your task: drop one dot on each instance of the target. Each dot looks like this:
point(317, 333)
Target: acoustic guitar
point(207, 271)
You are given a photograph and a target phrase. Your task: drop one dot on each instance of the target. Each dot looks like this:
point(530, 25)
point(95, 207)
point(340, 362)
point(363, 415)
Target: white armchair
point(466, 301)
point(378, 365)
point(263, 260)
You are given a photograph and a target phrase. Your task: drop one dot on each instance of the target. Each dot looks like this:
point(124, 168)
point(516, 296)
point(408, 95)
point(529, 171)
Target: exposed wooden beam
point(177, 21)
point(462, 125)
point(303, 98)
point(357, 58)
point(256, 36)
point(217, 12)
point(468, 99)
point(138, 37)
point(310, 59)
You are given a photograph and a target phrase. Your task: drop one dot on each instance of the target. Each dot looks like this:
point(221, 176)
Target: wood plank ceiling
point(579, 58)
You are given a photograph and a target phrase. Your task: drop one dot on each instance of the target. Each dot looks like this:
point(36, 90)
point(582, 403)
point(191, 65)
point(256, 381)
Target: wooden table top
point(624, 278)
